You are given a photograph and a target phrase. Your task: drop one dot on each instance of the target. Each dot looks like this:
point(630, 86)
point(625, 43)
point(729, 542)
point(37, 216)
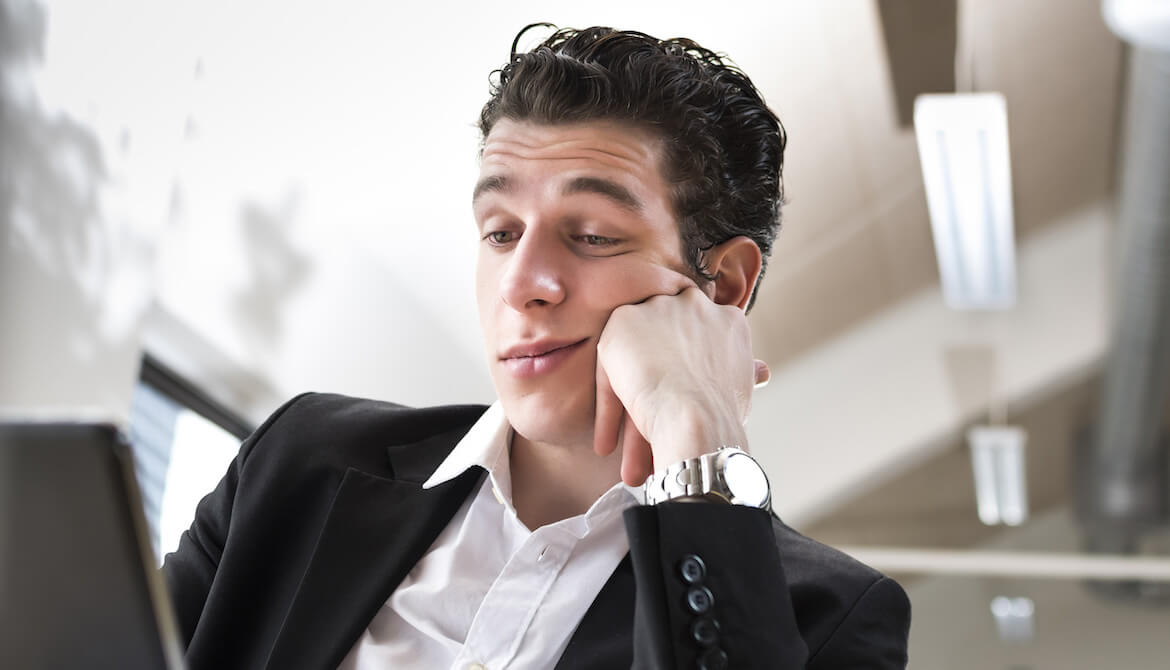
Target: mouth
point(537, 358)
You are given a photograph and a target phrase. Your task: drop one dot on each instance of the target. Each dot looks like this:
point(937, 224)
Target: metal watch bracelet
point(717, 476)
point(681, 479)
point(692, 477)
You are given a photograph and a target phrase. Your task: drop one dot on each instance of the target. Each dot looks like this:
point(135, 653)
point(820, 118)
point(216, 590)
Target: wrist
point(690, 431)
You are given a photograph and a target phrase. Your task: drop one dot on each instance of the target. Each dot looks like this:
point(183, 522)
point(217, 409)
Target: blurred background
point(206, 208)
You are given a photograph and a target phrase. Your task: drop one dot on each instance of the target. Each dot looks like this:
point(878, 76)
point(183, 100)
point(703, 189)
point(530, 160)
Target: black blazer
point(322, 514)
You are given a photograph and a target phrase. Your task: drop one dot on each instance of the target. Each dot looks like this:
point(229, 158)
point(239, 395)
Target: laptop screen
point(78, 582)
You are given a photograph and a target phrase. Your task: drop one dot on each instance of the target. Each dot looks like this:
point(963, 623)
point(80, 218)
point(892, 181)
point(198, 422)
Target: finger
point(763, 374)
point(670, 283)
point(607, 415)
point(637, 457)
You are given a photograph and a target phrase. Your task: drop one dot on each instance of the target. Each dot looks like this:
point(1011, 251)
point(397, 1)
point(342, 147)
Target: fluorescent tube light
point(1001, 482)
point(966, 168)
point(1013, 618)
point(1143, 23)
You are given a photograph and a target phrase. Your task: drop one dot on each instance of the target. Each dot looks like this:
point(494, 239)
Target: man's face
point(574, 221)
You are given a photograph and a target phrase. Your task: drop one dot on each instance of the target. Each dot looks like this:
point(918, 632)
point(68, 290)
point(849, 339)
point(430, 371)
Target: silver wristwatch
point(729, 473)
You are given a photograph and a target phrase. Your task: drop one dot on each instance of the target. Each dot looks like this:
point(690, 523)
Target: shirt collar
point(485, 445)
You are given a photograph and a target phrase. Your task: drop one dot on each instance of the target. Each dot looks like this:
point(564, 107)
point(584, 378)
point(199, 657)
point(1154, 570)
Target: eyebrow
point(492, 184)
point(612, 190)
point(619, 194)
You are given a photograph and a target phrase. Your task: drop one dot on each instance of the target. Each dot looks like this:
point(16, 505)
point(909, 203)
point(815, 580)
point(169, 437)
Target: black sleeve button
point(713, 659)
point(692, 569)
point(700, 599)
point(705, 631)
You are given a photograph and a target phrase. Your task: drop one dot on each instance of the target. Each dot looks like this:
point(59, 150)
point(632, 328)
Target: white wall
point(77, 224)
point(289, 182)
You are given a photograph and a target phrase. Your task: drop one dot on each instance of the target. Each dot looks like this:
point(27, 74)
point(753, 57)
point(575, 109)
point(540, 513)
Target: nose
point(532, 277)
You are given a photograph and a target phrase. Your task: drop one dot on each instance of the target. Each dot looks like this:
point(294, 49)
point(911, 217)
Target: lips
point(539, 357)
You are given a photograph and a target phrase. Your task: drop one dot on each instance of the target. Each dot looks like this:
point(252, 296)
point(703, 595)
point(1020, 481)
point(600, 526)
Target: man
point(628, 197)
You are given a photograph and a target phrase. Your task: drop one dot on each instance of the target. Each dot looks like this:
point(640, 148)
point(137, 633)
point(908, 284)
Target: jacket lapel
point(376, 530)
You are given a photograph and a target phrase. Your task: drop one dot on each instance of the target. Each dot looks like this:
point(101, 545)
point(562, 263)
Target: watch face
point(746, 480)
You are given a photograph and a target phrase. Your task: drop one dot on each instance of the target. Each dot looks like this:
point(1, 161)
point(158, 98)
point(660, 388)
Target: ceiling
point(856, 236)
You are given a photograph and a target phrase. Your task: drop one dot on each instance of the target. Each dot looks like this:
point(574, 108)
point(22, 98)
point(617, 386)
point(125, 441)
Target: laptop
point(79, 586)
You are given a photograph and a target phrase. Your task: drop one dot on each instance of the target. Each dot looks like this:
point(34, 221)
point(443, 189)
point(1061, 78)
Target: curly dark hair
point(723, 149)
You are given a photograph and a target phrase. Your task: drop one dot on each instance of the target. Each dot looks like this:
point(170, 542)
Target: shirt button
point(692, 569)
point(477, 666)
point(699, 599)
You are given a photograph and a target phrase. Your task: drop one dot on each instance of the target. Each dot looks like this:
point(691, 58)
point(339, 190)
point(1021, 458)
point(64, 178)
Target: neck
point(553, 482)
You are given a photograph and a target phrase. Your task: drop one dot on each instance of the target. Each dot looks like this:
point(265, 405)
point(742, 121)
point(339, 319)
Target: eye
point(500, 237)
point(598, 240)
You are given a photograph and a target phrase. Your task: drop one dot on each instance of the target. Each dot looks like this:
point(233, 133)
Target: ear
point(735, 265)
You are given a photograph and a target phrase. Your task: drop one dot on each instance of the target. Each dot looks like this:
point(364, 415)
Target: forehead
point(606, 146)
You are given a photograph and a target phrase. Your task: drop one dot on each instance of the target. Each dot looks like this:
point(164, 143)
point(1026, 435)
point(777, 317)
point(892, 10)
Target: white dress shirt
point(489, 593)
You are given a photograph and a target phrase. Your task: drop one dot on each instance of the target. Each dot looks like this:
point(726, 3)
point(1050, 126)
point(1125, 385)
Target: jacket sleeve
point(190, 570)
point(712, 592)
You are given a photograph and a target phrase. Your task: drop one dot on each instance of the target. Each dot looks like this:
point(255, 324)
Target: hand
point(674, 381)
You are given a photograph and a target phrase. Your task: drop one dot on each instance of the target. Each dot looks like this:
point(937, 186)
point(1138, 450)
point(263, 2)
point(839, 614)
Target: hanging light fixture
point(966, 169)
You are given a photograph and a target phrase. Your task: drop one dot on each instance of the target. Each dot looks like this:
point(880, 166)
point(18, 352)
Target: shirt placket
point(512, 601)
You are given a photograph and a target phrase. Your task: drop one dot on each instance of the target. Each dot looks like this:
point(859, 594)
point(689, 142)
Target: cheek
point(633, 281)
point(609, 290)
point(486, 291)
